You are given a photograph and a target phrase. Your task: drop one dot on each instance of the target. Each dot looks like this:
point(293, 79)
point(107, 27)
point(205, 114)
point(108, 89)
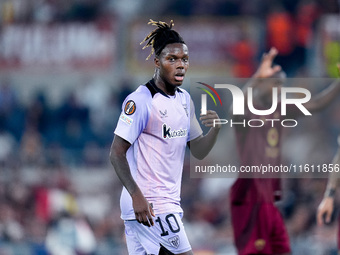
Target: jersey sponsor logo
point(126, 119)
point(130, 107)
point(174, 241)
point(168, 133)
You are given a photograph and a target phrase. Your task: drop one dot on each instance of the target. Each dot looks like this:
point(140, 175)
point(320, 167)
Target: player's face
point(273, 83)
point(276, 82)
point(173, 63)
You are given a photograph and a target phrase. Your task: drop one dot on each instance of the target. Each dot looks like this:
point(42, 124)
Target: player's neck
point(266, 101)
point(164, 86)
point(262, 99)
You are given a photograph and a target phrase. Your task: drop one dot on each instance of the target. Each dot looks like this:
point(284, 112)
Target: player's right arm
point(326, 206)
point(132, 121)
point(142, 208)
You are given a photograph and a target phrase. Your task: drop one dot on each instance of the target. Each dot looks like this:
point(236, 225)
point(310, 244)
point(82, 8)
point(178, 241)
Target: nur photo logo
point(204, 96)
point(240, 102)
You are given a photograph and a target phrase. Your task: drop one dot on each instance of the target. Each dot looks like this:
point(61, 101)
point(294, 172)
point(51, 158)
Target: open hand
point(266, 68)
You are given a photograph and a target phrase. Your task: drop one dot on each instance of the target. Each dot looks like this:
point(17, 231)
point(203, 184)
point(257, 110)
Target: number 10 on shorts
point(170, 232)
point(172, 223)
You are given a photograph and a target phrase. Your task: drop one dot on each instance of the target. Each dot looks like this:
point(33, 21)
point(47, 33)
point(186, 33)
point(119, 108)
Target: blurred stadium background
point(67, 65)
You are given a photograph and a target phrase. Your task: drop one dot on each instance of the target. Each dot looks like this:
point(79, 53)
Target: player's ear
point(157, 62)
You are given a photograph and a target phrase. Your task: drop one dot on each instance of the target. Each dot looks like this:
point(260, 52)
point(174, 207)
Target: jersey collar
point(154, 89)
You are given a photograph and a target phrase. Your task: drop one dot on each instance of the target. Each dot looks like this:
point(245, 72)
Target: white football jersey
point(158, 128)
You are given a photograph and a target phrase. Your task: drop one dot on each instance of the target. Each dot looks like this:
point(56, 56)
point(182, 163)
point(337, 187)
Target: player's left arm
point(202, 145)
point(326, 206)
point(324, 98)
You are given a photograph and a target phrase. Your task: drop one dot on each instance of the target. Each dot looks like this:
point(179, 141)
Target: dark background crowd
point(58, 192)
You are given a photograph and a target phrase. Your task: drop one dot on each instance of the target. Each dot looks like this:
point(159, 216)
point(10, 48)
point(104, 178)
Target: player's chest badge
point(185, 107)
point(260, 244)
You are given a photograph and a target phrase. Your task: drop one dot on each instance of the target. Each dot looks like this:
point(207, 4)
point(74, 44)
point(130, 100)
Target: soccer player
point(326, 207)
point(157, 122)
point(257, 223)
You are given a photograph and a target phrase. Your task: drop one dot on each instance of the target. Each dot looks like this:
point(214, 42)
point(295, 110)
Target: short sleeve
point(134, 116)
point(195, 128)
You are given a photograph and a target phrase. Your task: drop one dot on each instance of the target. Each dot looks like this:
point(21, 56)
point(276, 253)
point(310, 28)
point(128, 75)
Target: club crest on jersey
point(167, 133)
point(130, 107)
point(174, 241)
point(185, 107)
point(260, 244)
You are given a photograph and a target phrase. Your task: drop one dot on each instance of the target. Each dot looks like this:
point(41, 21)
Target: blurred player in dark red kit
point(257, 223)
point(326, 207)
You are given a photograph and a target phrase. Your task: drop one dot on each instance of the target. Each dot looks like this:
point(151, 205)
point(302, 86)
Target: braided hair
point(160, 37)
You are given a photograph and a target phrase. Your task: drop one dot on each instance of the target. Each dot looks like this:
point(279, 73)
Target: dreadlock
point(160, 37)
